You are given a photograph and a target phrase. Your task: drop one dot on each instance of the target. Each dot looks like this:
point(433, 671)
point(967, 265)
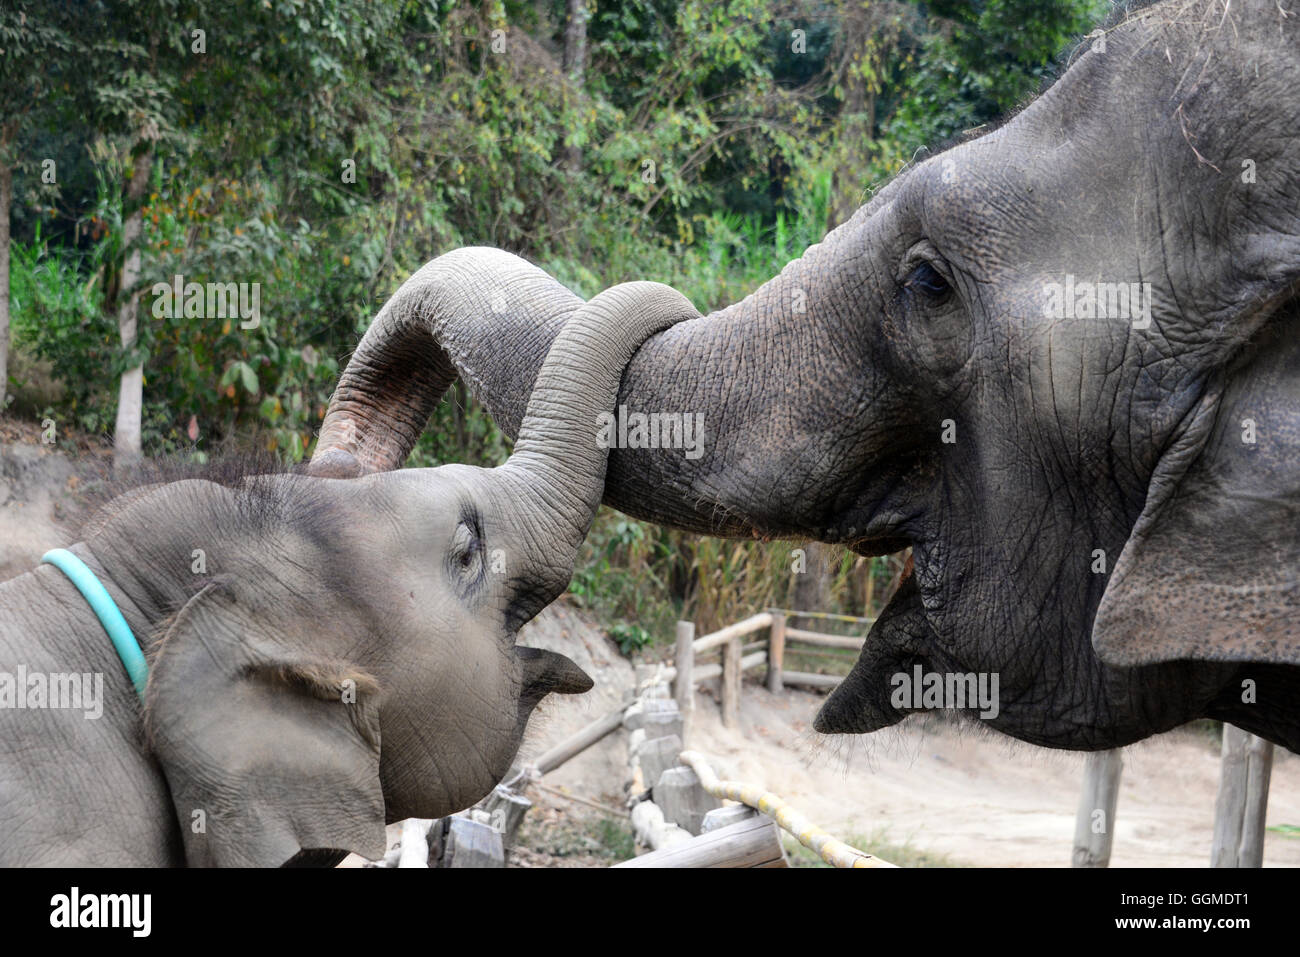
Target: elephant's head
point(1061, 360)
point(347, 654)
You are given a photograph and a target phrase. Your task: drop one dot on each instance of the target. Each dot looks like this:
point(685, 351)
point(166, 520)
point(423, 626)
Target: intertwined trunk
point(558, 462)
point(490, 317)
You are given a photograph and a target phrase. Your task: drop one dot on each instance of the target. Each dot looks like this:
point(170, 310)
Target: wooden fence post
point(1242, 804)
point(685, 680)
point(731, 653)
point(775, 652)
point(1094, 827)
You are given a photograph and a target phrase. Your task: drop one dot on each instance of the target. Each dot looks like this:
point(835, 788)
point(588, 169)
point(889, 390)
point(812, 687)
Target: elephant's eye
point(925, 279)
point(465, 547)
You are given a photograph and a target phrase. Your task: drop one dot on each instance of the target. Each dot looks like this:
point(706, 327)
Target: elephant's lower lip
point(547, 672)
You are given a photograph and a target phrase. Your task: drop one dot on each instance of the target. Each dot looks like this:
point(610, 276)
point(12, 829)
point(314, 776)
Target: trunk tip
point(334, 463)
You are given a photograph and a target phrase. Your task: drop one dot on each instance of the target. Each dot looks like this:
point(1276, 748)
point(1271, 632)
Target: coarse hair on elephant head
point(327, 655)
point(1061, 360)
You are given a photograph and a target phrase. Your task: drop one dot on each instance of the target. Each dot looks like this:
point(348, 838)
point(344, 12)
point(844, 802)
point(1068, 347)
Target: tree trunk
point(812, 585)
point(126, 431)
point(575, 65)
point(6, 199)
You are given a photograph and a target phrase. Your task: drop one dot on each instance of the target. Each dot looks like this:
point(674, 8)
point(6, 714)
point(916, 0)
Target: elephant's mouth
point(546, 672)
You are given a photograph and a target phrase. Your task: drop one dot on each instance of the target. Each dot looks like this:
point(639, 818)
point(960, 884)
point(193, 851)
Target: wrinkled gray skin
point(1072, 435)
point(407, 586)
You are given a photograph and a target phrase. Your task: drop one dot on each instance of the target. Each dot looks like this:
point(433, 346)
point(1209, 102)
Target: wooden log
point(662, 724)
point(470, 843)
point(506, 808)
point(752, 646)
point(1242, 802)
point(578, 742)
point(753, 661)
point(724, 635)
point(1094, 825)
point(705, 673)
point(810, 680)
point(775, 652)
point(684, 683)
point(731, 683)
point(847, 659)
point(656, 756)
point(725, 816)
point(826, 641)
point(1259, 772)
point(683, 800)
point(639, 712)
point(754, 842)
point(824, 616)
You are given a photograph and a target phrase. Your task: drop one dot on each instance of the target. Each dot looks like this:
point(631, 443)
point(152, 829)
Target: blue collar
point(110, 616)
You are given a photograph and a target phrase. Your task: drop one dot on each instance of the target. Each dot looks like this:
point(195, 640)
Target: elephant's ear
point(267, 752)
point(1212, 568)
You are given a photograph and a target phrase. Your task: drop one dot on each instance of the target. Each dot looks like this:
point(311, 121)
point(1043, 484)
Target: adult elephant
point(1060, 360)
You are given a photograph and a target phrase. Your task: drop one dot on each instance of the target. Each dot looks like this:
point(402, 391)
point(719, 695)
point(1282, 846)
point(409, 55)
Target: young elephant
point(324, 655)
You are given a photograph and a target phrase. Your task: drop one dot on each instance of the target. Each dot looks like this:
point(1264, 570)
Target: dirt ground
point(968, 796)
point(965, 795)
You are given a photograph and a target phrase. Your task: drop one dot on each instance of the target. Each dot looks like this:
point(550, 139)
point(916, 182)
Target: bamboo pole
point(832, 851)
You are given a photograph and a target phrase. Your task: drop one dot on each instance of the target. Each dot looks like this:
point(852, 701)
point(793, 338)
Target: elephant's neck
point(51, 630)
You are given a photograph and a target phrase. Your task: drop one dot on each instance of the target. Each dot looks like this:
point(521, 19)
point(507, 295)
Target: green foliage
point(325, 149)
point(629, 638)
point(985, 58)
point(57, 313)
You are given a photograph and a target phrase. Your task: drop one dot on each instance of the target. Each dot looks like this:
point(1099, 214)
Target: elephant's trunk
point(757, 387)
point(560, 456)
point(475, 312)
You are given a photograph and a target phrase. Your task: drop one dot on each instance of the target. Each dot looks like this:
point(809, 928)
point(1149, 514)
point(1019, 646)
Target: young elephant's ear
point(267, 752)
point(1212, 568)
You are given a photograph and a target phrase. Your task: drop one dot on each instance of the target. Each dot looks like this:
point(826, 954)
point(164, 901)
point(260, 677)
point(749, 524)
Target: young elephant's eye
point(465, 547)
point(925, 279)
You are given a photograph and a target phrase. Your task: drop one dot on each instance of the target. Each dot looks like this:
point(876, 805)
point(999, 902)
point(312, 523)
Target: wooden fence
point(675, 799)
